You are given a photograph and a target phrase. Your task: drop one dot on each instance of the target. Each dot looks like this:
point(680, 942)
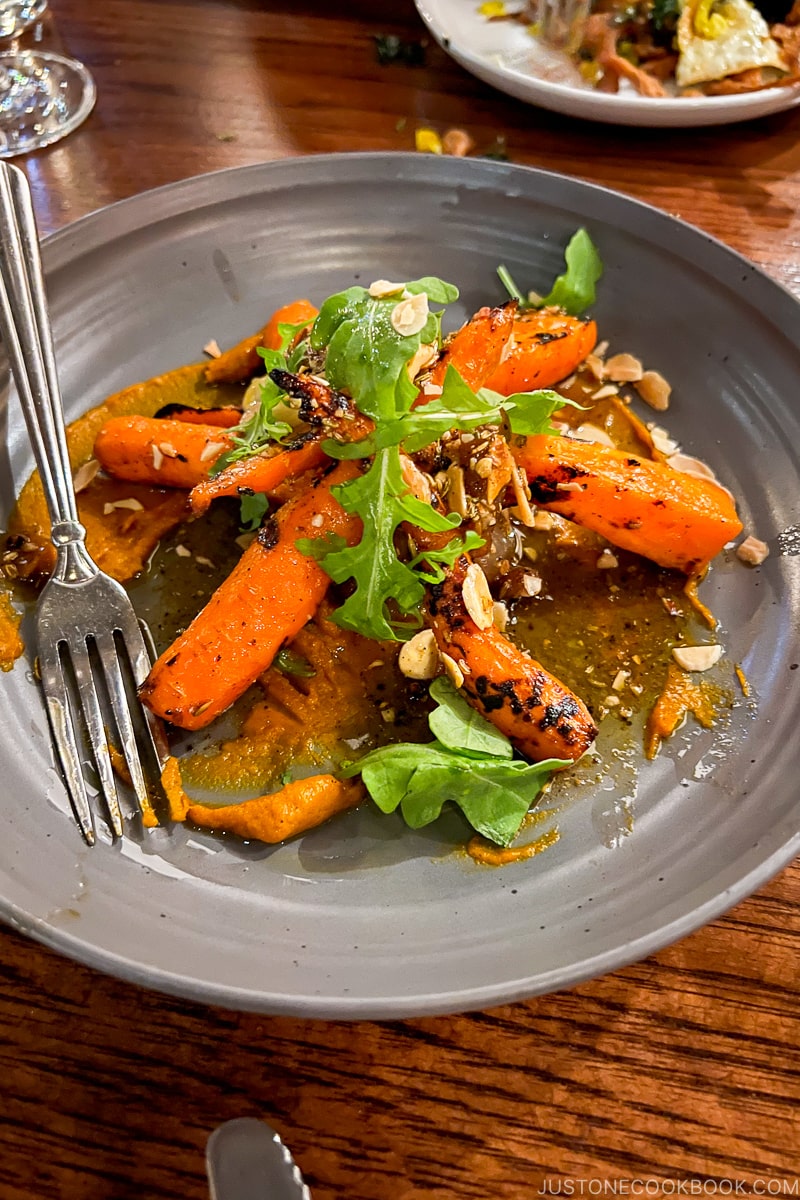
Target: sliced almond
point(419, 658)
point(522, 497)
point(453, 671)
point(695, 466)
point(456, 492)
point(530, 584)
point(158, 457)
point(601, 349)
point(624, 368)
point(212, 349)
point(203, 562)
point(419, 484)
point(607, 561)
point(130, 503)
point(595, 365)
point(84, 475)
point(752, 551)
point(212, 450)
point(477, 597)
point(500, 613)
point(572, 486)
point(409, 316)
point(607, 390)
point(424, 357)
point(662, 441)
point(168, 450)
point(543, 520)
point(619, 680)
point(593, 433)
point(697, 658)
point(654, 390)
point(183, 552)
point(382, 288)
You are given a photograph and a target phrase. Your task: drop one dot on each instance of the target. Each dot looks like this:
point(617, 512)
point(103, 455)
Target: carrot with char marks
point(474, 350)
point(674, 519)
point(328, 412)
point(548, 346)
point(265, 602)
point(540, 716)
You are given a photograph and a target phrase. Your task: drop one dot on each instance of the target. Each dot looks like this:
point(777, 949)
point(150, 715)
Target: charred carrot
point(330, 413)
point(223, 418)
point(675, 519)
point(243, 359)
point(541, 717)
point(475, 350)
point(262, 605)
point(297, 807)
point(165, 453)
point(260, 473)
point(548, 346)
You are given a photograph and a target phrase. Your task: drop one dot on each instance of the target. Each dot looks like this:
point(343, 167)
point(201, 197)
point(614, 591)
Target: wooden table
point(686, 1065)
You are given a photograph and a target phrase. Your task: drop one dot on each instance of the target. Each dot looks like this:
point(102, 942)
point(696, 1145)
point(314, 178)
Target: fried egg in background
point(724, 40)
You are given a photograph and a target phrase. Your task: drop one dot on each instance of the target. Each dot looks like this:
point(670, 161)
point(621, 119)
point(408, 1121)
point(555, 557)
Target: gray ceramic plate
point(364, 918)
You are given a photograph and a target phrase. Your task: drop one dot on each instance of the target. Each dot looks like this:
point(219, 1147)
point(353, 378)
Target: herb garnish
point(574, 290)
point(470, 764)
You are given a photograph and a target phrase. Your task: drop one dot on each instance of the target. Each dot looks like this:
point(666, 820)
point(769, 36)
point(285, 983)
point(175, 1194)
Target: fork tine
point(107, 652)
point(141, 662)
point(98, 737)
point(63, 730)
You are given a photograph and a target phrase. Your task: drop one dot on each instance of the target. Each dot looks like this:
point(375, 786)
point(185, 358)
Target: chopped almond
point(752, 551)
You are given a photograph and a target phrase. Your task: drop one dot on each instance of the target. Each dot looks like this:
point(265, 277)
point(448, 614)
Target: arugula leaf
point(529, 412)
point(373, 565)
point(471, 764)
point(429, 564)
point(289, 663)
point(259, 427)
point(252, 510)
point(366, 356)
point(574, 290)
point(458, 726)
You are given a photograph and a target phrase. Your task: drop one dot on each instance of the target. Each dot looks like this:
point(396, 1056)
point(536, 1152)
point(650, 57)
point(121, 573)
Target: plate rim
point(76, 238)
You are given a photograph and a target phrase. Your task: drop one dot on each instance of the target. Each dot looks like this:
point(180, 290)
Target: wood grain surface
point(686, 1066)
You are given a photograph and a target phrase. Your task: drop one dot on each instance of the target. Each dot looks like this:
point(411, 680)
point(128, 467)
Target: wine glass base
point(43, 97)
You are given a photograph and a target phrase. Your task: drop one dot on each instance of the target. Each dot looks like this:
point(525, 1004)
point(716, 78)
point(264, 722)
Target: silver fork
point(83, 618)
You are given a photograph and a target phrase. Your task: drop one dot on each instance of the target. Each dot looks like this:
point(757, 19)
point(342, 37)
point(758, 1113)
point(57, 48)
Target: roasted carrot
point(475, 349)
point(297, 807)
point(542, 718)
point(677, 520)
point(330, 413)
point(164, 453)
point(259, 473)
point(224, 418)
point(548, 346)
point(243, 359)
point(262, 605)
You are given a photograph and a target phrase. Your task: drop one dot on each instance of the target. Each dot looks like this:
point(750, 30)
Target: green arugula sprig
point(470, 764)
point(575, 289)
point(368, 358)
point(260, 427)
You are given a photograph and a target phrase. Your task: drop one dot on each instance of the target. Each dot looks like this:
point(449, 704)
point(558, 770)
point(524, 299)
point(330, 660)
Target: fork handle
point(25, 326)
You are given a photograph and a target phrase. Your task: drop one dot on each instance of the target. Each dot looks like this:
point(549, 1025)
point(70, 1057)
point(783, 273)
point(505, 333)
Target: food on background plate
point(674, 47)
point(419, 520)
